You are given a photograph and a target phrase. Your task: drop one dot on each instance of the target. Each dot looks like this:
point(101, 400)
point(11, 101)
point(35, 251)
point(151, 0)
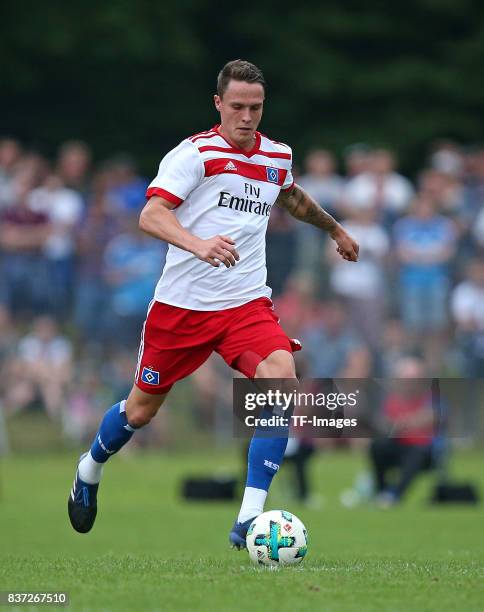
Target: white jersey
point(220, 190)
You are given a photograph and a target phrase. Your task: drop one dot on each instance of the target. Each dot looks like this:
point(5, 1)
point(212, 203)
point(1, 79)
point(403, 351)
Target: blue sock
point(265, 454)
point(113, 433)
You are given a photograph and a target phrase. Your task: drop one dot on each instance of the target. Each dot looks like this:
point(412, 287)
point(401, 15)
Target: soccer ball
point(276, 538)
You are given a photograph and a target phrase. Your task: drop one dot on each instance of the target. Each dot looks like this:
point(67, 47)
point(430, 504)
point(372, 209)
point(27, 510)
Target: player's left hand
point(347, 247)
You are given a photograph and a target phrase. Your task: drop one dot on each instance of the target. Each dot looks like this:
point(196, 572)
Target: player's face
point(240, 111)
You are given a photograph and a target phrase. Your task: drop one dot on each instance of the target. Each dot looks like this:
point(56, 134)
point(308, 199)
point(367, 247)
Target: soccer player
point(211, 201)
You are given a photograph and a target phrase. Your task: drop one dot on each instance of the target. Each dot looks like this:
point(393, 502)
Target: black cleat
point(238, 534)
point(82, 504)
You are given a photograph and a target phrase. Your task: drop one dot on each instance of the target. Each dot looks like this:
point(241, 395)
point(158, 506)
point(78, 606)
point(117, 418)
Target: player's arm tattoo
point(302, 207)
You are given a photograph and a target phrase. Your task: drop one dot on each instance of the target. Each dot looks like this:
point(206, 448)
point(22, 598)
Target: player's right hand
point(217, 250)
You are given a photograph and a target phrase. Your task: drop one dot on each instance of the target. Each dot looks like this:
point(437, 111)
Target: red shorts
point(176, 341)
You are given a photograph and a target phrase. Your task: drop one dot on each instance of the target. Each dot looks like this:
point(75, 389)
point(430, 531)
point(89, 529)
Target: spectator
point(446, 158)
point(63, 207)
point(298, 306)
point(42, 370)
point(10, 153)
point(478, 231)
point(23, 236)
point(97, 228)
point(320, 179)
point(395, 346)
point(85, 403)
point(363, 286)
point(332, 349)
point(445, 189)
point(325, 186)
point(30, 171)
point(299, 453)
point(8, 334)
point(475, 199)
point(467, 303)
point(212, 396)
point(8, 346)
point(128, 189)
point(73, 164)
point(280, 249)
point(380, 188)
point(408, 416)
point(474, 195)
point(357, 159)
point(425, 243)
point(132, 265)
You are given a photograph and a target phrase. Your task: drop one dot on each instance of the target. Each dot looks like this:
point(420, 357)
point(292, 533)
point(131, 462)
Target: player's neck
point(244, 146)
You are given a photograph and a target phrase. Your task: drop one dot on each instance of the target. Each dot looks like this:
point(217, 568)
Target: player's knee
point(279, 364)
point(142, 407)
point(275, 371)
point(139, 413)
point(139, 416)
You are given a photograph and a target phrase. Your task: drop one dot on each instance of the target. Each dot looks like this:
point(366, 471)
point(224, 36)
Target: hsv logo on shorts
point(273, 175)
point(150, 377)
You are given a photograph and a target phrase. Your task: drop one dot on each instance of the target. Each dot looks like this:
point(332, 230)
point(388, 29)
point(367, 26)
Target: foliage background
point(139, 76)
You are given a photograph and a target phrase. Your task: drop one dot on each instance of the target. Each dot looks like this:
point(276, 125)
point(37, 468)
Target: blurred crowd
point(77, 274)
point(418, 286)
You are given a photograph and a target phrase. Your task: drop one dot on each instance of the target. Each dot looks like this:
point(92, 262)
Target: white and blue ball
point(277, 538)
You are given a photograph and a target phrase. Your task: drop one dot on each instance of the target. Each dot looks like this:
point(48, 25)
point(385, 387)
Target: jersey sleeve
point(288, 183)
point(180, 171)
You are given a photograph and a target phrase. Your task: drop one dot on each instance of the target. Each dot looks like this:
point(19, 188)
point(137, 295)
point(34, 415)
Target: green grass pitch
point(151, 551)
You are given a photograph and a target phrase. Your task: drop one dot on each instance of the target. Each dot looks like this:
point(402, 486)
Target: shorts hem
point(238, 304)
point(154, 390)
point(249, 371)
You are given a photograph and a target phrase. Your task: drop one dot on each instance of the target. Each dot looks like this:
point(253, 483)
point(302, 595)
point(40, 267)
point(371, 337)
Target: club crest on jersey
point(150, 377)
point(272, 175)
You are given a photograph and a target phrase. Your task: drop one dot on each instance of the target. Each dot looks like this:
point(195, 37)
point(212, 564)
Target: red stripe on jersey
point(214, 148)
point(162, 193)
point(207, 135)
point(252, 171)
point(275, 155)
point(200, 133)
point(253, 151)
point(230, 150)
point(274, 141)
